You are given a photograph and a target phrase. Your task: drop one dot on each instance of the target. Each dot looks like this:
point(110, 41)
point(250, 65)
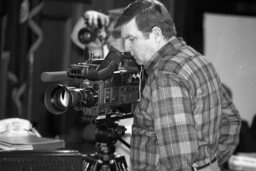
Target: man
point(104, 23)
point(185, 119)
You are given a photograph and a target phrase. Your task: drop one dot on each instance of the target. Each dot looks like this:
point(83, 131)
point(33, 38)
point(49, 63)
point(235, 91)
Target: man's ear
point(157, 33)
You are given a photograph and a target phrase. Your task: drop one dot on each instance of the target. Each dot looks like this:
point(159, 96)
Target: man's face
point(96, 45)
point(141, 48)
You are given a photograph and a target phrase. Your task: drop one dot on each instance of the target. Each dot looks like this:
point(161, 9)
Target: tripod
point(105, 159)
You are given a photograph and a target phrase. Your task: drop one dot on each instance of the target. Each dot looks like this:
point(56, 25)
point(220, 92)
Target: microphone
point(54, 76)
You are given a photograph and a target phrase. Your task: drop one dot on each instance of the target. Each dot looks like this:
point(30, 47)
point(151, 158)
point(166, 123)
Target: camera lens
point(87, 35)
point(63, 98)
point(59, 98)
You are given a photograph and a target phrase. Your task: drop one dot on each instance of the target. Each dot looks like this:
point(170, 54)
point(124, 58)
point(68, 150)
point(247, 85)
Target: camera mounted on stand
point(106, 91)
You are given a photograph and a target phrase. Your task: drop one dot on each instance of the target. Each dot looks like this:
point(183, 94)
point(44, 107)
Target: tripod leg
point(122, 167)
point(92, 164)
point(119, 164)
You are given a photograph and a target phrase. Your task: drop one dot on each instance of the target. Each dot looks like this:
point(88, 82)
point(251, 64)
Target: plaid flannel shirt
point(185, 118)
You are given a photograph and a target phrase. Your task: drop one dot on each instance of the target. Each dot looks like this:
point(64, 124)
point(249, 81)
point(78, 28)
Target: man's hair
point(148, 14)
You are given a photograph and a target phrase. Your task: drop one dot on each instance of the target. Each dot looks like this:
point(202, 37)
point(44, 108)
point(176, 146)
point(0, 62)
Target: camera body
point(117, 93)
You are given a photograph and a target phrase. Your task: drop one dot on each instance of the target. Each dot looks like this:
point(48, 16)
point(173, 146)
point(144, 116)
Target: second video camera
point(90, 33)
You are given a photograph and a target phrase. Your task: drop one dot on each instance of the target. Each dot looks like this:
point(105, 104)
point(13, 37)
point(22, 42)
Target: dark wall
point(188, 16)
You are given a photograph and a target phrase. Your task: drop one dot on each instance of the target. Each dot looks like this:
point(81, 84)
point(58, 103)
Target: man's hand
point(93, 18)
point(96, 18)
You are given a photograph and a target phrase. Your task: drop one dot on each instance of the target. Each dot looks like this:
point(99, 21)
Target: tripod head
point(106, 135)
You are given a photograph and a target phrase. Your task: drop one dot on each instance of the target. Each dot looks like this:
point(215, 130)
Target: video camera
point(109, 88)
point(104, 87)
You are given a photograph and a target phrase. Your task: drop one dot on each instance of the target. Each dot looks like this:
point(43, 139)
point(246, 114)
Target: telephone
point(16, 127)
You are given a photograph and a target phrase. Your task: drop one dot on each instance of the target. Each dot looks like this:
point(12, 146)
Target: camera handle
point(123, 142)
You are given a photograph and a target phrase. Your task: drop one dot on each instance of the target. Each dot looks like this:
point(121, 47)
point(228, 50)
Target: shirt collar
point(171, 48)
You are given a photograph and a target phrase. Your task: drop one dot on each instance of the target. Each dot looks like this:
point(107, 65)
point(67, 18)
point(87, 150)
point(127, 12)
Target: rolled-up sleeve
point(229, 129)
